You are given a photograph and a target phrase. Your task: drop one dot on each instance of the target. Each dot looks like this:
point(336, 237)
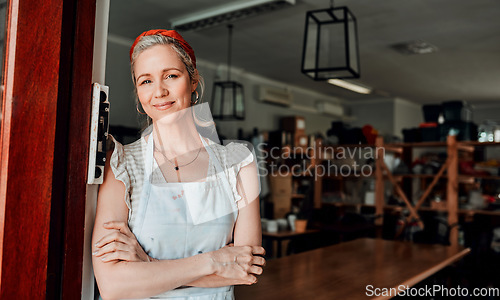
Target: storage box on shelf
point(281, 194)
point(450, 117)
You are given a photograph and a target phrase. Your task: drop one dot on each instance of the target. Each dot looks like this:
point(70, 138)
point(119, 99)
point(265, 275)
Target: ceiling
point(467, 34)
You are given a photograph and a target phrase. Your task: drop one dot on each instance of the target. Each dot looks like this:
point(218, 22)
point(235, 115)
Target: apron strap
point(148, 157)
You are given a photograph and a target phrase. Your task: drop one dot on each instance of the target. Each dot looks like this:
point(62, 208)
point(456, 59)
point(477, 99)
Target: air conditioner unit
point(275, 96)
point(331, 109)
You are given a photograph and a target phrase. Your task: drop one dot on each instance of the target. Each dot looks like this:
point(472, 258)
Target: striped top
point(127, 165)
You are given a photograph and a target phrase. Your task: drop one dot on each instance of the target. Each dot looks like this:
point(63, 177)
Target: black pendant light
point(330, 44)
point(227, 96)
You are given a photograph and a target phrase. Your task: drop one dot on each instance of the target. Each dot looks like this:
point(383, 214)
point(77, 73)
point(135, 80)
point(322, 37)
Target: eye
point(172, 76)
point(147, 81)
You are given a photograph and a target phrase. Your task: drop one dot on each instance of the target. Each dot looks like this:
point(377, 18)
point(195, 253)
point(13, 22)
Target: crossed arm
point(124, 270)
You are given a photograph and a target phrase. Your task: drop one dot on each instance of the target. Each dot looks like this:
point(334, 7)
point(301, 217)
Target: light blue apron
point(178, 220)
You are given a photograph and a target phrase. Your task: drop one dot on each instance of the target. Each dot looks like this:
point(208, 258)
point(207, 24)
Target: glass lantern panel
point(353, 45)
point(311, 42)
point(217, 99)
point(240, 106)
point(228, 100)
point(332, 46)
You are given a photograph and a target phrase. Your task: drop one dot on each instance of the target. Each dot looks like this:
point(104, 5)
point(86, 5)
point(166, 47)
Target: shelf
point(447, 181)
point(481, 212)
point(415, 144)
point(415, 175)
point(423, 208)
point(343, 204)
point(294, 174)
point(341, 146)
point(298, 196)
point(476, 143)
point(418, 144)
point(493, 177)
point(340, 177)
point(441, 144)
point(461, 177)
point(460, 211)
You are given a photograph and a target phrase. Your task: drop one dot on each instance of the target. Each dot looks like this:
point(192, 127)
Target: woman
point(173, 201)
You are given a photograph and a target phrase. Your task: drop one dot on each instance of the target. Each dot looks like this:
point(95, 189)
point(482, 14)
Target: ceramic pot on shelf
point(300, 225)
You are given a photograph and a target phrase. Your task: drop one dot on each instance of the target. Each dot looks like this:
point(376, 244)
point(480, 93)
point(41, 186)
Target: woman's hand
point(239, 263)
point(121, 244)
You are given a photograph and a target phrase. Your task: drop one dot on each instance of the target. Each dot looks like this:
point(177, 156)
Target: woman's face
point(163, 84)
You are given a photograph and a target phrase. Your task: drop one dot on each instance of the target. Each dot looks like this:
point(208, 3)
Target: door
point(44, 142)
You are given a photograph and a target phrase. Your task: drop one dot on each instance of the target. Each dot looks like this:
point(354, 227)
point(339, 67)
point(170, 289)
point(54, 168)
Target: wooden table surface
point(344, 270)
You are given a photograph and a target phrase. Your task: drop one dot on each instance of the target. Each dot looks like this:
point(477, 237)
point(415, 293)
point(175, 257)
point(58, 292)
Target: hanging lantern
point(227, 96)
point(227, 101)
point(330, 44)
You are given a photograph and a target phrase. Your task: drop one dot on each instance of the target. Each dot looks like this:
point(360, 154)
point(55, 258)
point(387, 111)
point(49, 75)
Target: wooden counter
point(344, 270)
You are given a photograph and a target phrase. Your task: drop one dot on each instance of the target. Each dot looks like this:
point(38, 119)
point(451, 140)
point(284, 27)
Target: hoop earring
point(137, 107)
point(197, 98)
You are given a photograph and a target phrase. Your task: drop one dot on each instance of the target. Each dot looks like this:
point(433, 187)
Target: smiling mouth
point(164, 105)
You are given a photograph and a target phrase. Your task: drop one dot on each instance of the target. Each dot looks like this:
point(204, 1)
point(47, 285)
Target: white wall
point(407, 115)
point(482, 112)
point(387, 115)
point(378, 112)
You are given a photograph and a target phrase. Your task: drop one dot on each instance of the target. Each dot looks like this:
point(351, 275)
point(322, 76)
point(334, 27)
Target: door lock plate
point(99, 126)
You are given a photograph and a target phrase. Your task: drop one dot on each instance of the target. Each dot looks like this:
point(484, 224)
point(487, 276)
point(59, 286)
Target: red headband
point(170, 33)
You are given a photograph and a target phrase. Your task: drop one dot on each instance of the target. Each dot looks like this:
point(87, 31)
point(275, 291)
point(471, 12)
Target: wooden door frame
point(44, 147)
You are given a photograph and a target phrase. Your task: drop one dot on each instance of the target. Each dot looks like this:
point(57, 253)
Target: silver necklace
point(176, 167)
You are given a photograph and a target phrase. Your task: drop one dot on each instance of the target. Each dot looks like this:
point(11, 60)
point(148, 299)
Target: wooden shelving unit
point(448, 172)
point(423, 208)
point(460, 176)
point(452, 177)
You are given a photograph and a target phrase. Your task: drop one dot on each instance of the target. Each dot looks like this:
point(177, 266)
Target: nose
point(161, 90)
